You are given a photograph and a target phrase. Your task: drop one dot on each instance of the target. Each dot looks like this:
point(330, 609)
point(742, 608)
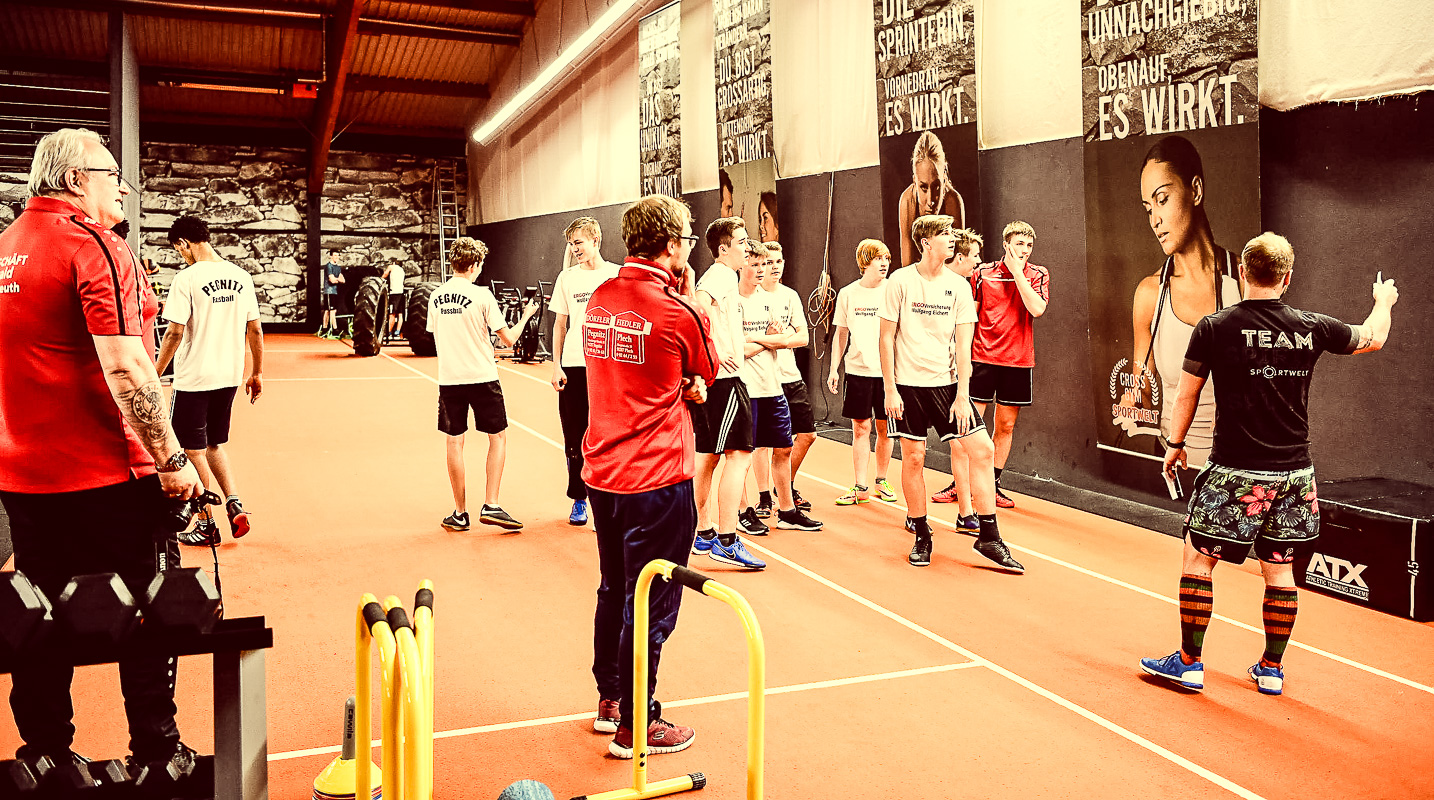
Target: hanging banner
point(743, 47)
point(659, 78)
point(926, 116)
point(1172, 170)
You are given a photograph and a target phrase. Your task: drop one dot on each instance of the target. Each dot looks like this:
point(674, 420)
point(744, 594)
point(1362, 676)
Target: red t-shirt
point(639, 339)
point(1004, 335)
point(65, 278)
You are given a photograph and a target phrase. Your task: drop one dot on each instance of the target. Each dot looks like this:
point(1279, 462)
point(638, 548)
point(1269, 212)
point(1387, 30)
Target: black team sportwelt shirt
point(1262, 355)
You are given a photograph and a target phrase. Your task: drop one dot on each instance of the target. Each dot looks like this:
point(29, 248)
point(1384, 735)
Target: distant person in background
point(767, 218)
point(89, 467)
point(727, 192)
point(858, 336)
point(1257, 492)
point(394, 274)
point(571, 291)
point(213, 315)
point(463, 319)
point(333, 276)
point(930, 192)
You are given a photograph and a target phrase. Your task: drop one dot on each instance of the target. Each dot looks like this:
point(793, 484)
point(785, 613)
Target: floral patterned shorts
point(1233, 510)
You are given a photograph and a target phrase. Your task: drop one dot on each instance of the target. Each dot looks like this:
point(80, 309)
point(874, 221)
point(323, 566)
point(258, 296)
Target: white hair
point(55, 156)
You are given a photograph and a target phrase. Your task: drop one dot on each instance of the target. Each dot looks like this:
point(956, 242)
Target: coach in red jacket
point(646, 348)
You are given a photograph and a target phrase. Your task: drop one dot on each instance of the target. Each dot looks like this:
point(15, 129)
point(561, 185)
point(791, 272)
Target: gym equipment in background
point(756, 685)
point(415, 324)
point(405, 653)
point(370, 316)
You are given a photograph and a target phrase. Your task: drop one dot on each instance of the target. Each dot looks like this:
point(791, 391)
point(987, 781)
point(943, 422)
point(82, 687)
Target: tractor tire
point(415, 324)
point(370, 316)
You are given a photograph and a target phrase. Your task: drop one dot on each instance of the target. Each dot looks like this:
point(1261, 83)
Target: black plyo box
point(1375, 534)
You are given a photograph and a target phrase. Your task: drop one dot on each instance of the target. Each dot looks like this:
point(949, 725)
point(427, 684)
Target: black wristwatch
point(1175, 445)
point(176, 462)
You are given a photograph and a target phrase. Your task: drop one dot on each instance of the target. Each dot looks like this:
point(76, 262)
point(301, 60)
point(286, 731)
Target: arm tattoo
point(143, 409)
point(1364, 336)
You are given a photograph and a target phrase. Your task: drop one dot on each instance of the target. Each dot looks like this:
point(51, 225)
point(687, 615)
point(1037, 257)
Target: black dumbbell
point(25, 614)
point(182, 601)
point(22, 778)
point(163, 778)
point(96, 612)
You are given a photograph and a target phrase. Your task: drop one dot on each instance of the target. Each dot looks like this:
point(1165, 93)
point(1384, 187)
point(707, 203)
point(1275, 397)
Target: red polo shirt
point(639, 339)
point(1004, 334)
point(64, 279)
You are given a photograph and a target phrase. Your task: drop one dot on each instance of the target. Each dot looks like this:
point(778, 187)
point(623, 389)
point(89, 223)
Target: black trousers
point(118, 529)
point(573, 411)
point(633, 529)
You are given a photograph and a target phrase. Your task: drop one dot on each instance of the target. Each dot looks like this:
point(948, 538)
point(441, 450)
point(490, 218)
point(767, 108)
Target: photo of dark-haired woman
point(1197, 278)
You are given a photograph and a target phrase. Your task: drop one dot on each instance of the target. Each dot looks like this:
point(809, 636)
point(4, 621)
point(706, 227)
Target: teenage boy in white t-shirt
point(926, 307)
point(722, 426)
point(463, 318)
point(213, 315)
point(395, 276)
point(765, 334)
point(571, 291)
point(791, 316)
point(858, 335)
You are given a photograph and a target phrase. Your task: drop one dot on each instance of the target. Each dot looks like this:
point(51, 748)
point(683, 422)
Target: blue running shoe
point(735, 555)
point(1172, 668)
point(1269, 680)
point(580, 513)
point(703, 543)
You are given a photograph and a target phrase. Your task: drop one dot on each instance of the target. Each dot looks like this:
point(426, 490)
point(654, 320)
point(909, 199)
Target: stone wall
point(376, 209)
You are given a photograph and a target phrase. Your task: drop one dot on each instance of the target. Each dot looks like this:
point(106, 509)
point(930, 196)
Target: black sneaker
point(920, 552)
point(997, 551)
point(204, 533)
point(802, 503)
point(749, 524)
point(764, 509)
point(238, 518)
point(493, 515)
point(457, 521)
point(911, 527)
point(795, 520)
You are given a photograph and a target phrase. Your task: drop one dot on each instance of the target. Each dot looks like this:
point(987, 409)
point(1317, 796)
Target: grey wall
point(1349, 185)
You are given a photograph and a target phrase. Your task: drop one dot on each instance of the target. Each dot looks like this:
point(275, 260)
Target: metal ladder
point(445, 205)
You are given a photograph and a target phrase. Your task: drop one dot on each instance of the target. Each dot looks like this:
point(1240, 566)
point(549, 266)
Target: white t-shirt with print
point(926, 313)
point(759, 370)
point(570, 298)
point(791, 313)
point(463, 318)
point(720, 281)
point(214, 301)
point(856, 308)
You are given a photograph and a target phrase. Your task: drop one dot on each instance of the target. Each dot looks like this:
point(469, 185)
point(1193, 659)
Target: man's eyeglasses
point(691, 240)
point(114, 173)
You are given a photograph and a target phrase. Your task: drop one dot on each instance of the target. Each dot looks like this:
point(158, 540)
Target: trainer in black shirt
point(1258, 490)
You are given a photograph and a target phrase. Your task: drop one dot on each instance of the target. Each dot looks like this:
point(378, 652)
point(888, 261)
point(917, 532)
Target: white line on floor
point(1164, 598)
point(694, 701)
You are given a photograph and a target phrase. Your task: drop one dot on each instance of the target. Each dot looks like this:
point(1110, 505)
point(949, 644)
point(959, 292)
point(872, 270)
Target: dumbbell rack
point(241, 736)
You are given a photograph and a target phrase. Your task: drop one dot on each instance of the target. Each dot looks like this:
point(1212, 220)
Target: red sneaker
point(947, 495)
point(662, 737)
point(607, 717)
point(238, 518)
point(1002, 501)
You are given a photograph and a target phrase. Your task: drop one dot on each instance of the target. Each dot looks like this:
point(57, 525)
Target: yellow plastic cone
point(336, 782)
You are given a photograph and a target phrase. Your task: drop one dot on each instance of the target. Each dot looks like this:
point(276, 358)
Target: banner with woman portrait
point(926, 116)
point(659, 79)
point(1172, 171)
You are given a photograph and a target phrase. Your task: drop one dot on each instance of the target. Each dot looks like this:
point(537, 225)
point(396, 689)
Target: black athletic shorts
point(928, 407)
point(771, 422)
point(486, 400)
point(800, 408)
point(865, 398)
point(1005, 386)
point(395, 304)
point(329, 300)
point(724, 422)
point(201, 419)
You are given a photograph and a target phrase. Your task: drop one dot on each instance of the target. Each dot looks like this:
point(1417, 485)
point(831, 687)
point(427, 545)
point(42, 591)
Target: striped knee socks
point(1196, 597)
point(1281, 604)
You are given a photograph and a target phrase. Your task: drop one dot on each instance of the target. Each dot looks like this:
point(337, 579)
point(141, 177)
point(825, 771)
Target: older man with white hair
point(89, 468)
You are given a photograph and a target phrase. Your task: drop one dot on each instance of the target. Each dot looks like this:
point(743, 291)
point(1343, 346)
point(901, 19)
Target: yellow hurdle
point(756, 686)
point(405, 651)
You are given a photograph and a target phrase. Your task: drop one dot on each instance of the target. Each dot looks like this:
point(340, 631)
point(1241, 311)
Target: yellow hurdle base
point(686, 783)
